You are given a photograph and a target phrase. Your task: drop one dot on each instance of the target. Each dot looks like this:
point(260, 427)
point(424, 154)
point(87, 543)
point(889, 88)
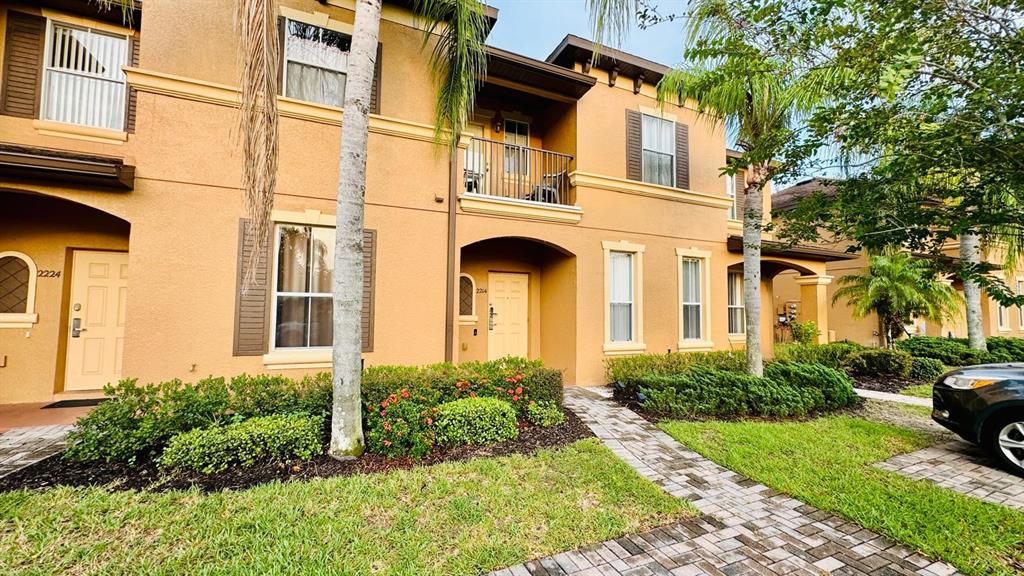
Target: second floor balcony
point(517, 172)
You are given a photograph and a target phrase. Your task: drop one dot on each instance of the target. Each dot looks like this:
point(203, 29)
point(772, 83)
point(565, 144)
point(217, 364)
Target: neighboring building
point(997, 320)
point(579, 221)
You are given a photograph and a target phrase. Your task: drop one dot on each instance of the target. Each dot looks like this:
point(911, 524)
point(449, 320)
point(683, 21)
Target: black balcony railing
point(518, 172)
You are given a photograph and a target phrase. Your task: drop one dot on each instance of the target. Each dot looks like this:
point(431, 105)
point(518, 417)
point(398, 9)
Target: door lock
point(490, 317)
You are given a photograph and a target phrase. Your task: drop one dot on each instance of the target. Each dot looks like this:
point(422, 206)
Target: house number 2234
point(48, 274)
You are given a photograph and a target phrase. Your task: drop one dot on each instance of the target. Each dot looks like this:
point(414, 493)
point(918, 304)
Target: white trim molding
point(284, 359)
point(636, 345)
point(474, 203)
point(704, 257)
point(612, 184)
point(814, 280)
point(28, 318)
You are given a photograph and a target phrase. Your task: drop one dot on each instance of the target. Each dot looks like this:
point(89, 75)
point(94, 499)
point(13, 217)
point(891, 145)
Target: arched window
point(467, 299)
point(17, 290)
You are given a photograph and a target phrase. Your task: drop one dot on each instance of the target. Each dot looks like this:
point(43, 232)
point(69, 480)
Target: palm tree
point(760, 97)
point(457, 29)
point(898, 288)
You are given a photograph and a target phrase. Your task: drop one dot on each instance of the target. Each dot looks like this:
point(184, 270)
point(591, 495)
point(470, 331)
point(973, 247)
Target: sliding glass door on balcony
point(83, 80)
point(516, 171)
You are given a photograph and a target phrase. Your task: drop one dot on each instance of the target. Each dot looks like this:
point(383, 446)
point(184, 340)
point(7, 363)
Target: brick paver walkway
point(963, 467)
point(20, 447)
point(747, 528)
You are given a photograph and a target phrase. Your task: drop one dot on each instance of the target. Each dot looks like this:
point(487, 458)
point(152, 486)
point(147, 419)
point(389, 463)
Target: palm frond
point(127, 7)
point(256, 21)
point(458, 61)
point(611, 20)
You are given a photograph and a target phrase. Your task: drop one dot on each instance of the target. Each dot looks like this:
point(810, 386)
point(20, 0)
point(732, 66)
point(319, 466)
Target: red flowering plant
point(400, 425)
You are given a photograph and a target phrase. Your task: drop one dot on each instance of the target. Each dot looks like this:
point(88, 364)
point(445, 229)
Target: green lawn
point(919, 391)
point(455, 518)
point(827, 463)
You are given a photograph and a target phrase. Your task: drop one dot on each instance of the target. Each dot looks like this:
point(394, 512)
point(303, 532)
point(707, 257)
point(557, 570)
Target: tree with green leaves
point(734, 74)
point(454, 32)
point(898, 288)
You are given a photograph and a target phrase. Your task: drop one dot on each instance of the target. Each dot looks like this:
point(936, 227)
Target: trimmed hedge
point(833, 354)
point(476, 421)
point(137, 421)
point(544, 414)
point(1004, 349)
point(949, 351)
point(787, 389)
point(879, 362)
point(626, 372)
point(926, 370)
point(215, 449)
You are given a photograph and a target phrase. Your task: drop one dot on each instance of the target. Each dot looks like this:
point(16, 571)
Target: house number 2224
point(48, 274)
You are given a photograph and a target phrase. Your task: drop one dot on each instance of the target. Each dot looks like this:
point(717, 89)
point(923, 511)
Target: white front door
point(99, 290)
point(507, 308)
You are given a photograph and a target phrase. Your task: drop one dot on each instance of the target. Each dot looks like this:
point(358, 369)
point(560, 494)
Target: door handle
point(76, 327)
point(490, 317)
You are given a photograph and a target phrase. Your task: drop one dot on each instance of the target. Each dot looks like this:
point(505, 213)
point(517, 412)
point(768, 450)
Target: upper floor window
point(737, 311)
point(303, 309)
point(658, 150)
point(83, 82)
point(730, 191)
point(315, 63)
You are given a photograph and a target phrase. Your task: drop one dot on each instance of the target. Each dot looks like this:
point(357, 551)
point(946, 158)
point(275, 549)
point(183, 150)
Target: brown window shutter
point(375, 87)
point(682, 156)
point(369, 274)
point(741, 198)
point(251, 318)
point(23, 65)
point(281, 31)
point(634, 155)
point(133, 60)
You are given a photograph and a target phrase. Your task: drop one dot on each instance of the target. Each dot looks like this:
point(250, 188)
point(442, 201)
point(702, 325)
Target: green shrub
point(264, 395)
point(926, 370)
point(833, 354)
point(215, 449)
point(515, 380)
point(476, 421)
point(1006, 349)
point(137, 421)
point(701, 391)
point(626, 372)
point(805, 332)
point(835, 387)
point(949, 351)
point(400, 425)
point(879, 362)
point(544, 414)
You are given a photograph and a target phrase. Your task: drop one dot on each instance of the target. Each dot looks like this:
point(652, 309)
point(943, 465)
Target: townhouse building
point(578, 219)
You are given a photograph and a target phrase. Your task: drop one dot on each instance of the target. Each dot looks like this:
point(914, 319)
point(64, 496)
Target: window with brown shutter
point(251, 330)
point(682, 156)
point(133, 60)
point(634, 154)
point(23, 65)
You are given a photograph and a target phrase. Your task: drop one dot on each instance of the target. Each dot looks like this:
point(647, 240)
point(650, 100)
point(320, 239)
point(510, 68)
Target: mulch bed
point(55, 471)
point(883, 383)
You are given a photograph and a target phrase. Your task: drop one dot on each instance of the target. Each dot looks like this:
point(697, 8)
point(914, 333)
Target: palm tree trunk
point(346, 417)
point(883, 332)
point(970, 252)
point(752, 215)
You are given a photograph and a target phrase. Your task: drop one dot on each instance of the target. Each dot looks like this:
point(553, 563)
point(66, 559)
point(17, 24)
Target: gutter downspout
point(449, 307)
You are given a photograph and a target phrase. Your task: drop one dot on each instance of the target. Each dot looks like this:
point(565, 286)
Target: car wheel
point(1006, 441)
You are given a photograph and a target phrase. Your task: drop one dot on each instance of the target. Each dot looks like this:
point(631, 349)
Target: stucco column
point(814, 303)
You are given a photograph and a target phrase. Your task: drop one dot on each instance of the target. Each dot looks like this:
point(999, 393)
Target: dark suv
point(985, 405)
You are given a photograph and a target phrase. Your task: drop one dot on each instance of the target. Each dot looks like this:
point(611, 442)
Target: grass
point(454, 518)
point(827, 463)
point(918, 391)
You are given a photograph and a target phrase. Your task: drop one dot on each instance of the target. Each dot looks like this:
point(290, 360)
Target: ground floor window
point(737, 320)
point(467, 299)
point(17, 290)
point(694, 289)
point(304, 264)
point(623, 297)
point(621, 300)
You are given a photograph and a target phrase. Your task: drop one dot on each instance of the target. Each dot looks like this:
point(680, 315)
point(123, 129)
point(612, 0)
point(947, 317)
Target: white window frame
point(274, 293)
point(471, 318)
point(292, 16)
point(739, 305)
point(1020, 309)
point(703, 257)
point(672, 153)
point(78, 24)
point(730, 191)
point(635, 345)
point(28, 318)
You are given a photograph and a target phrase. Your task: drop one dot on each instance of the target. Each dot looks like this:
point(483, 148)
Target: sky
point(535, 27)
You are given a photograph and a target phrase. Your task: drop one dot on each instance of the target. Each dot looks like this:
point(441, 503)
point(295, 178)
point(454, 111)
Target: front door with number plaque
point(99, 290)
point(507, 307)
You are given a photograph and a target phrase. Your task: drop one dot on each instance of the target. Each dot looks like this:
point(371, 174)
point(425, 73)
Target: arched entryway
point(69, 336)
point(517, 297)
point(799, 294)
